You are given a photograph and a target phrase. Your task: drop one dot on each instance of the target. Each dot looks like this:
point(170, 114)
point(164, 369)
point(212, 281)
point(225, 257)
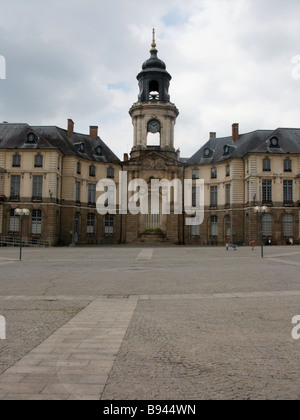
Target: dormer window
point(80, 147)
point(31, 138)
point(97, 150)
point(274, 142)
point(207, 152)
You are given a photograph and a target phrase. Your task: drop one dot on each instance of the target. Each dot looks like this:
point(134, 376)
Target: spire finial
point(153, 45)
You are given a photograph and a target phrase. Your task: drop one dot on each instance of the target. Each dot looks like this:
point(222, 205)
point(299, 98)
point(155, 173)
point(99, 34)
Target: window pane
point(267, 224)
point(110, 172)
point(13, 222)
point(214, 226)
point(37, 186)
point(91, 193)
point(90, 223)
point(77, 192)
point(214, 195)
point(266, 164)
point(36, 222)
point(267, 191)
point(227, 226)
point(287, 165)
point(92, 170)
point(288, 225)
point(109, 224)
point(195, 230)
point(287, 191)
point(15, 186)
point(16, 161)
point(38, 161)
point(195, 174)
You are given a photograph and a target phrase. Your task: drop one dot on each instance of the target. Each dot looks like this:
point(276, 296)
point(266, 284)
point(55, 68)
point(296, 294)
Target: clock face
point(153, 126)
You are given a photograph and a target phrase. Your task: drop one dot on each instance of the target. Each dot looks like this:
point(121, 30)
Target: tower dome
point(154, 79)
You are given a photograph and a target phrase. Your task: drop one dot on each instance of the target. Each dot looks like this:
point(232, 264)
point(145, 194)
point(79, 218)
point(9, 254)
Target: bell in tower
point(154, 80)
point(153, 113)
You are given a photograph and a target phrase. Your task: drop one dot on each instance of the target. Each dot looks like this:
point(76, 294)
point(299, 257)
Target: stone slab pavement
point(149, 323)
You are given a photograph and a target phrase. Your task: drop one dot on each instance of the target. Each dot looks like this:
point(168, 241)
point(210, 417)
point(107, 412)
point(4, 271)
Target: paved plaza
point(136, 323)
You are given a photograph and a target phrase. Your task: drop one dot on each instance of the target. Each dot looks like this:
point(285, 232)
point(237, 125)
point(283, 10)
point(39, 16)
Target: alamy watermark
point(2, 67)
point(158, 197)
point(296, 329)
point(296, 67)
point(2, 328)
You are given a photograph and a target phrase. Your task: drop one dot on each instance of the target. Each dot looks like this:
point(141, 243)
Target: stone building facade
point(54, 173)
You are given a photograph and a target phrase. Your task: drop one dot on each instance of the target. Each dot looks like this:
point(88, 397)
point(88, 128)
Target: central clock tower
point(153, 113)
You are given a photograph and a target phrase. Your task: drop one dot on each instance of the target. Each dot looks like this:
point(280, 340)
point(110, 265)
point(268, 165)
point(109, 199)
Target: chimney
point(212, 135)
point(235, 132)
point(70, 128)
point(125, 159)
point(94, 131)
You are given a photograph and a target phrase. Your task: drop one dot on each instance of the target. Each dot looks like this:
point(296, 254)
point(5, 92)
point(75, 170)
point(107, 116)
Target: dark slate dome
point(154, 62)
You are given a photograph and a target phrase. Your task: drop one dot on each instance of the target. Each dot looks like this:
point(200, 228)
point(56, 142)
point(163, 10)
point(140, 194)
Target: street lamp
point(260, 211)
point(21, 213)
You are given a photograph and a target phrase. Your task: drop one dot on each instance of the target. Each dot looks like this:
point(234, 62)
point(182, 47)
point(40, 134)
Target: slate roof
point(14, 136)
point(259, 141)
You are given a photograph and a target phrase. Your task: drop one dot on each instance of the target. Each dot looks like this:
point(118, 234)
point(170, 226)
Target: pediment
point(153, 160)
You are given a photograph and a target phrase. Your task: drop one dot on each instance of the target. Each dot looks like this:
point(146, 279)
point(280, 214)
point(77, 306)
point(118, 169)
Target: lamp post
point(21, 213)
point(260, 211)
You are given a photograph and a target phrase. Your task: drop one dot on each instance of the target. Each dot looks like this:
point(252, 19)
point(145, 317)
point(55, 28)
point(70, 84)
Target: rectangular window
point(92, 170)
point(287, 191)
point(195, 174)
point(227, 226)
point(15, 186)
point(77, 192)
point(287, 165)
point(91, 194)
point(78, 168)
point(36, 222)
point(110, 172)
point(90, 228)
point(214, 196)
point(214, 173)
point(214, 226)
point(266, 165)
point(227, 195)
point(109, 224)
point(267, 191)
point(195, 231)
point(267, 224)
point(14, 222)
point(288, 225)
point(37, 186)
point(16, 163)
point(38, 161)
point(228, 170)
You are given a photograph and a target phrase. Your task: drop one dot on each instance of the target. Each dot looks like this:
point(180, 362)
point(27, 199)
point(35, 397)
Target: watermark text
point(2, 328)
point(296, 67)
point(155, 197)
point(2, 67)
point(296, 329)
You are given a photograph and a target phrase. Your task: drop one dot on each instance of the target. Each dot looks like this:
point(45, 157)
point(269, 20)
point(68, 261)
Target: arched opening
point(153, 90)
point(153, 139)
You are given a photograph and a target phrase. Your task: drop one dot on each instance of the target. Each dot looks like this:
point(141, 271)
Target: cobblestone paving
point(238, 348)
point(208, 323)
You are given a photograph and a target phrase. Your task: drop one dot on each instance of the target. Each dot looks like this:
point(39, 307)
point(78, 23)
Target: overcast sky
point(230, 61)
